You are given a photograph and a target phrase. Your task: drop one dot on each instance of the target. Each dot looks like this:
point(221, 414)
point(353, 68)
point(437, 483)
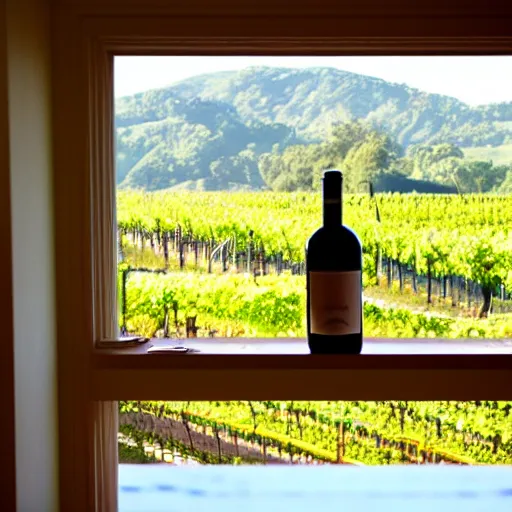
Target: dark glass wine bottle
point(334, 283)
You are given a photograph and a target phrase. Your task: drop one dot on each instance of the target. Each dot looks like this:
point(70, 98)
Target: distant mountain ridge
point(311, 99)
point(213, 127)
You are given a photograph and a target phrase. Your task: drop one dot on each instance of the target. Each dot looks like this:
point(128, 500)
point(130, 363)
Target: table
point(162, 487)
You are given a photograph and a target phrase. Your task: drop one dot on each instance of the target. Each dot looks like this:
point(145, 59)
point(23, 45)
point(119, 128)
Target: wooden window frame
point(85, 41)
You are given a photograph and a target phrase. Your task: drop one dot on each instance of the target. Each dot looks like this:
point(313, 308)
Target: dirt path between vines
point(168, 427)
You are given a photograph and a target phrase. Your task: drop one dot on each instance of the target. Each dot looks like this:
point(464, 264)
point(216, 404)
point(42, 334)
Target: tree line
point(368, 155)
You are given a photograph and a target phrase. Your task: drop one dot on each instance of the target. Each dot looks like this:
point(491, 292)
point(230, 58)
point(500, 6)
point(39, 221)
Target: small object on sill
point(171, 349)
point(121, 342)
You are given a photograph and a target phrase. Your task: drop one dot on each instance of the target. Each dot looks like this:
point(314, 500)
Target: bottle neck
point(332, 207)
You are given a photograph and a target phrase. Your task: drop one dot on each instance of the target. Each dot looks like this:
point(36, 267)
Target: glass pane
point(219, 161)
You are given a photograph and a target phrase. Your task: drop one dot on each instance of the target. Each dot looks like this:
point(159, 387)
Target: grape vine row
point(237, 305)
point(436, 235)
point(352, 432)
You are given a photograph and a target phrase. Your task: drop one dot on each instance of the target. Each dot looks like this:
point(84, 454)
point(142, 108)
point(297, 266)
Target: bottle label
point(335, 302)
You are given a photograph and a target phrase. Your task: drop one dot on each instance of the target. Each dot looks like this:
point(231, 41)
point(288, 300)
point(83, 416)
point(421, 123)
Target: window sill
point(405, 369)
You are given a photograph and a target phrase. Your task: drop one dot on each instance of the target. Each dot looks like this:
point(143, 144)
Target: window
point(86, 249)
point(218, 170)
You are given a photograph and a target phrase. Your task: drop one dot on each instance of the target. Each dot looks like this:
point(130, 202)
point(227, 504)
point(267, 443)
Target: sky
point(476, 80)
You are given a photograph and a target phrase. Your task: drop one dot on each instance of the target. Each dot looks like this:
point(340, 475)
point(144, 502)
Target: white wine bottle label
point(335, 302)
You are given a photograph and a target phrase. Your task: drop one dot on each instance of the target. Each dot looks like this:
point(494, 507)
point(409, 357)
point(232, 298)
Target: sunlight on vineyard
point(316, 432)
point(218, 178)
point(434, 266)
point(232, 265)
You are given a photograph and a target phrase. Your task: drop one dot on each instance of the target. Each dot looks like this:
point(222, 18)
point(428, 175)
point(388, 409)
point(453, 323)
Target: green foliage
point(395, 181)
point(506, 186)
point(364, 432)
point(218, 131)
point(299, 167)
point(363, 153)
point(190, 140)
point(274, 306)
point(313, 100)
point(369, 159)
point(460, 235)
point(132, 454)
point(141, 437)
point(500, 155)
point(445, 164)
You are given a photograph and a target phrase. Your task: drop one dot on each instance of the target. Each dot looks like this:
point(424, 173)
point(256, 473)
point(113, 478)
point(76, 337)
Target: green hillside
point(311, 100)
point(231, 130)
point(500, 155)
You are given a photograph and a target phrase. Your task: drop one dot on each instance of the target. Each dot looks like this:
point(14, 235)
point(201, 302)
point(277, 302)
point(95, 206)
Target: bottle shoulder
point(341, 234)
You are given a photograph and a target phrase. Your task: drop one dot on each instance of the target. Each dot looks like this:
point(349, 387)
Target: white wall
point(29, 94)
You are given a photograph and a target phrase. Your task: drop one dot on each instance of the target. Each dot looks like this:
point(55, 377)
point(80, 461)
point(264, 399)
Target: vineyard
point(455, 244)
point(320, 432)
point(232, 264)
point(179, 304)
point(454, 250)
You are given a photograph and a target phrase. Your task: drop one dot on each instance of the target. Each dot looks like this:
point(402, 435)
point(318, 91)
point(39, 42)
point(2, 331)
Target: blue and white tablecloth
point(162, 487)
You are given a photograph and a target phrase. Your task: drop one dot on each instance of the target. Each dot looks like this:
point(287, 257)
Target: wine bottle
point(334, 281)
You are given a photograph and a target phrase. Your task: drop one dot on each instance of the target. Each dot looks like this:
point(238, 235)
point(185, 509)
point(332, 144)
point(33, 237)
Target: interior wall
point(7, 447)
point(29, 95)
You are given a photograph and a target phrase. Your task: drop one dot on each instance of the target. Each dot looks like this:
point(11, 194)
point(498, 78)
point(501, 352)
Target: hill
point(311, 100)
point(500, 155)
point(212, 129)
point(164, 140)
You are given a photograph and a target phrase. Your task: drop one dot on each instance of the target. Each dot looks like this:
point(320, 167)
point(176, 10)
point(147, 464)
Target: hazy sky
point(474, 80)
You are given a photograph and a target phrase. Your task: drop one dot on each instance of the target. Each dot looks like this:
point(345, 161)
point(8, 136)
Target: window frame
point(84, 43)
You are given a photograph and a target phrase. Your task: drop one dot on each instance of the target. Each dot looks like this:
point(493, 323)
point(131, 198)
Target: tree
point(442, 151)
point(150, 177)
point(479, 176)
point(506, 185)
point(298, 167)
point(402, 166)
point(241, 168)
point(431, 160)
point(447, 172)
point(368, 159)
point(485, 261)
point(347, 135)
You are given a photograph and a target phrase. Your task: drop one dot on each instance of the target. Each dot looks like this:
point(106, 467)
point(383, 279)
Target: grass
point(417, 302)
point(499, 154)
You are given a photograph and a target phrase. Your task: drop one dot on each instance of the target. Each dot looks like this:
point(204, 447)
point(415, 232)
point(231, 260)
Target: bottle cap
point(332, 185)
point(333, 174)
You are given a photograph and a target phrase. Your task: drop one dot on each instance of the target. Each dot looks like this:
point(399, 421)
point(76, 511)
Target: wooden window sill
point(268, 368)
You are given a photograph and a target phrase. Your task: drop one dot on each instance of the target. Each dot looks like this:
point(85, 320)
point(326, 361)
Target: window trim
point(83, 49)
